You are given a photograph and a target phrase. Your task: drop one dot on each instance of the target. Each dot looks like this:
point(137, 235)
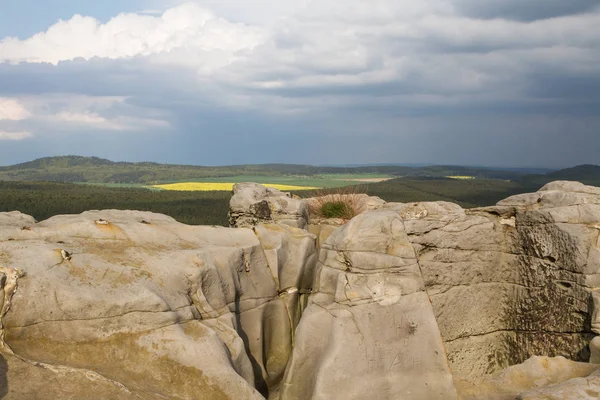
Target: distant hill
point(582, 172)
point(587, 174)
point(59, 162)
point(98, 170)
point(77, 169)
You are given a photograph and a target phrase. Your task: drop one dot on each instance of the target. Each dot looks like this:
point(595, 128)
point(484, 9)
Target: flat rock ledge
point(405, 301)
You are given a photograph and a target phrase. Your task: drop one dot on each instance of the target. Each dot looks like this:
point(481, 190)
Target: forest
point(45, 187)
point(45, 199)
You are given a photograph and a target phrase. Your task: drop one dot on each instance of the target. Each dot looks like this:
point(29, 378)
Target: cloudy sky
point(212, 82)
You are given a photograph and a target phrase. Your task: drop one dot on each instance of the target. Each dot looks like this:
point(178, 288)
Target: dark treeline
point(46, 199)
point(466, 193)
point(43, 200)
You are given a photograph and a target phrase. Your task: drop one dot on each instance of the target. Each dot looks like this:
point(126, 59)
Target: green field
point(322, 181)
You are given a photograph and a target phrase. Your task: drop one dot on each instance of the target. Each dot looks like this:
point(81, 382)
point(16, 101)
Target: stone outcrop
point(506, 282)
point(253, 204)
point(512, 281)
point(411, 301)
point(144, 307)
point(369, 330)
point(534, 379)
point(501, 290)
point(584, 388)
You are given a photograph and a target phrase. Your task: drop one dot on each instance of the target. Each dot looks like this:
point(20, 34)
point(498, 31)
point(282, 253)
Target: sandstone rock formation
point(143, 306)
point(253, 204)
point(405, 301)
point(369, 330)
point(584, 388)
point(538, 376)
point(511, 281)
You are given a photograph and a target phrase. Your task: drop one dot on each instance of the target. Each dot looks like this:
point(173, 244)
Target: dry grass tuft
point(343, 203)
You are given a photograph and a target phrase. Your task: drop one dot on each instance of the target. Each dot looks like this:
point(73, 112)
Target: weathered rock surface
point(369, 330)
point(25, 380)
point(511, 281)
point(537, 376)
point(399, 303)
point(506, 282)
point(146, 306)
point(587, 388)
point(253, 204)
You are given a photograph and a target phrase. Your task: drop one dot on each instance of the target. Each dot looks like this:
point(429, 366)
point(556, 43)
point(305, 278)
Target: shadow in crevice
point(3, 377)
point(259, 382)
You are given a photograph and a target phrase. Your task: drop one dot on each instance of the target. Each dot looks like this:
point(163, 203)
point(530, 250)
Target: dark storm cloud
point(415, 85)
point(524, 10)
point(96, 77)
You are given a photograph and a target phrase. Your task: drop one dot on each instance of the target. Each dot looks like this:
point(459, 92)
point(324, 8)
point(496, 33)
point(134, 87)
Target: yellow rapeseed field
point(207, 186)
point(462, 177)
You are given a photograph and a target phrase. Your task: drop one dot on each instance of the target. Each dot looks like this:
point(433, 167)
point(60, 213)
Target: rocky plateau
point(415, 301)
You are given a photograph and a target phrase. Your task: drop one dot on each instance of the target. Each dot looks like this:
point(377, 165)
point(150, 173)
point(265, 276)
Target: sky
point(509, 83)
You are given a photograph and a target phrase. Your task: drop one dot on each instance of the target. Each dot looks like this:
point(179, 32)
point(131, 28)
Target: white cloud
point(150, 12)
point(263, 12)
point(82, 118)
point(329, 54)
point(15, 136)
point(79, 113)
point(129, 35)
point(12, 110)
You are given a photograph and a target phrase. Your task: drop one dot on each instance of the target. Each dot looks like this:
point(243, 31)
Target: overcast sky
point(471, 82)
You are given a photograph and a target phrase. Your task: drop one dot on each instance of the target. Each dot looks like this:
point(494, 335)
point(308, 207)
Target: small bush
point(343, 203)
point(337, 209)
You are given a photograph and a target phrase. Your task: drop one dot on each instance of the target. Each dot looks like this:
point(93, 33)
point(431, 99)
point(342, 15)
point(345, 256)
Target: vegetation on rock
point(344, 203)
point(337, 209)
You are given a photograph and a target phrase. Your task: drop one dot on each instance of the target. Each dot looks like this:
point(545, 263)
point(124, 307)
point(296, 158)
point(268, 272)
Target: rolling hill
point(45, 187)
point(97, 170)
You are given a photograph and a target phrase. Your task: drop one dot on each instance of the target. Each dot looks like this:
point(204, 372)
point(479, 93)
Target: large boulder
point(511, 281)
point(253, 204)
point(141, 307)
point(584, 388)
point(534, 379)
point(369, 330)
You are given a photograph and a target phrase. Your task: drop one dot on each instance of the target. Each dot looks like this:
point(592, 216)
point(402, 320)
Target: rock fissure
point(535, 332)
point(108, 317)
